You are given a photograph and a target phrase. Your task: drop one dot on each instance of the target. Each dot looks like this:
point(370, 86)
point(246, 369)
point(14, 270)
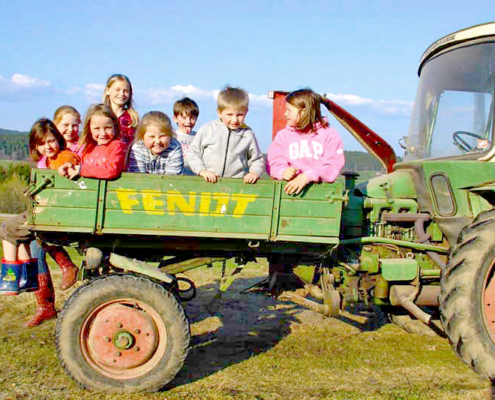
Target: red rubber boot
point(45, 300)
point(69, 269)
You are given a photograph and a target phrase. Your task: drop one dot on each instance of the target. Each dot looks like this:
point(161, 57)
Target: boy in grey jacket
point(227, 147)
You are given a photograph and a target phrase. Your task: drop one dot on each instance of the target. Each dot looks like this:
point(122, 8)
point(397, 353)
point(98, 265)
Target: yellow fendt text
point(172, 202)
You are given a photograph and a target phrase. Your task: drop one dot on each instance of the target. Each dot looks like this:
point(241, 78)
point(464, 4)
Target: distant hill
point(361, 161)
point(13, 145)
point(9, 132)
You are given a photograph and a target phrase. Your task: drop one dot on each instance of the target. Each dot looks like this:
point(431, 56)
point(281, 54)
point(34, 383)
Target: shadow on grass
point(246, 324)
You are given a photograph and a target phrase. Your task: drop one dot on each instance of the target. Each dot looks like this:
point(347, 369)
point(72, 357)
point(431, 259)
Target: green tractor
point(418, 242)
point(421, 238)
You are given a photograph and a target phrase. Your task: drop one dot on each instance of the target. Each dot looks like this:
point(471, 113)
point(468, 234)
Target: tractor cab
point(454, 108)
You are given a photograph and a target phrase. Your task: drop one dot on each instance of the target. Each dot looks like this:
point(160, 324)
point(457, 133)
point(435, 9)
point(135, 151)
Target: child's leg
point(69, 270)
point(23, 252)
point(29, 269)
point(13, 273)
point(45, 296)
point(9, 251)
point(39, 253)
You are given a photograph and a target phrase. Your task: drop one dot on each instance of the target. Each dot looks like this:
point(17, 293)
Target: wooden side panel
point(64, 205)
point(188, 206)
point(316, 212)
point(152, 205)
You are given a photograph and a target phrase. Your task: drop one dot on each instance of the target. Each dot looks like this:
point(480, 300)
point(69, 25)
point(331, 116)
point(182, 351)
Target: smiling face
point(102, 129)
point(69, 127)
point(232, 118)
point(119, 93)
point(185, 122)
point(292, 114)
point(48, 146)
point(156, 141)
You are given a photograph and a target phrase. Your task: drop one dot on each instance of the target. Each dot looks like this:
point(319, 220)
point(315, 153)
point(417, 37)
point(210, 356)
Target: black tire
point(464, 298)
point(122, 310)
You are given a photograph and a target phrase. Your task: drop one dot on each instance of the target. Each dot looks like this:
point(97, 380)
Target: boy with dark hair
point(186, 113)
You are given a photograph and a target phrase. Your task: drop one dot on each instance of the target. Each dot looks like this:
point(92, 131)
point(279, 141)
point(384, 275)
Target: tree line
point(14, 146)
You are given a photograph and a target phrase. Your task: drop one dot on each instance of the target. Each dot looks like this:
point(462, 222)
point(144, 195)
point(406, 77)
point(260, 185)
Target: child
point(67, 120)
point(47, 146)
point(118, 96)
point(186, 113)
point(30, 267)
point(307, 149)
point(154, 150)
point(103, 156)
point(227, 147)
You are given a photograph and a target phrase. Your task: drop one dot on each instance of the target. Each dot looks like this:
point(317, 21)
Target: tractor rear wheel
point(467, 298)
point(121, 334)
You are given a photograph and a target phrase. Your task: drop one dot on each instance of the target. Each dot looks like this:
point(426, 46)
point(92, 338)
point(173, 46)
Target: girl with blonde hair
point(118, 96)
point(103, 156)
point(67, 120)
point(155, 150)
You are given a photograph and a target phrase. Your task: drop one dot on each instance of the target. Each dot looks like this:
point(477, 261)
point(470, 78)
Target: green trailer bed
point(185, 206)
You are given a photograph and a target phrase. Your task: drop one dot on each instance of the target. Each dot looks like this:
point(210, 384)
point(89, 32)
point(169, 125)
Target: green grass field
point(255, 347)
point(6, 163)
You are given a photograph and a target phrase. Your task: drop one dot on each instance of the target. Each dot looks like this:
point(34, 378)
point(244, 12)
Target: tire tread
point(459, 302)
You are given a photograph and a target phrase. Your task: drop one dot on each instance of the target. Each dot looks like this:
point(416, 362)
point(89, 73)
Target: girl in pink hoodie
point(307, 149)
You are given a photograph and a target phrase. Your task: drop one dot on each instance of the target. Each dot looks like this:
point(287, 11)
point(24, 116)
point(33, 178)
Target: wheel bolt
point(107, 339)
point(136, 349)
point(119, 325)
point(106, 321)
point(118, 353)
point(137, 331)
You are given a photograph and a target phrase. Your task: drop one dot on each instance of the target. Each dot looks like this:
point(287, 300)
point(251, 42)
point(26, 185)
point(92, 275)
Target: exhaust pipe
point(403, 295)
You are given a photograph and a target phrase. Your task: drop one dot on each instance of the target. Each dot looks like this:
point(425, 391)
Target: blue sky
point(363, 55)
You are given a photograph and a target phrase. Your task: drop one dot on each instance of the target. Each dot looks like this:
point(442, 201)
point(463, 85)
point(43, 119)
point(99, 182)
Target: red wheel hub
point(122, 337)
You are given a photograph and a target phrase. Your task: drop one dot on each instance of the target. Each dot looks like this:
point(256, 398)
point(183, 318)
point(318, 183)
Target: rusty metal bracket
point(33, 189)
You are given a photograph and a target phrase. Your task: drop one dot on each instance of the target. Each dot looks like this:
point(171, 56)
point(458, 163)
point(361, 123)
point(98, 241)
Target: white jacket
point(227, 153)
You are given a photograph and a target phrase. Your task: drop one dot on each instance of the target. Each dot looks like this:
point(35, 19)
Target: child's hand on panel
point(209, 176)
point(289, 173)
point(251, 177)
point(69, 171)
point(296, 185)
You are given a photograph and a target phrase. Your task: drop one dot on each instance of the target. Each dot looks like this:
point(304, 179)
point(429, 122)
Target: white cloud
point(19, 84)
point(170, 94)
point(349, 99)
point(94, 92)
point(28, 81)
point(261, 99)
point(173, 93)
point(73, 90)
point(192, 91)
point(391, 108)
